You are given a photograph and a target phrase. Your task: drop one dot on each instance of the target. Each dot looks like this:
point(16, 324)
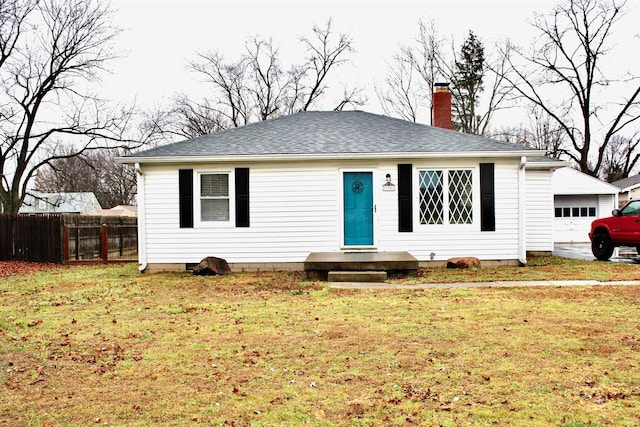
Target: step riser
point(357, 276)
point(319, 264)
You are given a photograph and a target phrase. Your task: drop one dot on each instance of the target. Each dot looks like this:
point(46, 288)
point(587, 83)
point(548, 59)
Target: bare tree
point(563, 75)
point(94, 171)
point(325, 54)
point(268, 89)
point(229, 81)
point(620, 156)
point(408, 86)
point(256, 86)
point(541, 133)
point(52, 50)
point(399, 95)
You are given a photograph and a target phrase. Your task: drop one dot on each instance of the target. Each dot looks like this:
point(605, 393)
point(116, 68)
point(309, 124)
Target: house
point(629, 188)
point(60, 203)
point(578, 200)
point(267, 195)
point(121, 210)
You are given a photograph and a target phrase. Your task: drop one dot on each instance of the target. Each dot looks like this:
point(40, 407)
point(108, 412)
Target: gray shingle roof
point(631, 181)
point(336, 132)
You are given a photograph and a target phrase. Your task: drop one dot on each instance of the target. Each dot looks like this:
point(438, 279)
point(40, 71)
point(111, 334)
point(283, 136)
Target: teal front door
point(358, 208)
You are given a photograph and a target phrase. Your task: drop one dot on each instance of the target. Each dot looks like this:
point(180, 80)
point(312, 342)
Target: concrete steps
point(357, 276)
point(319, 264)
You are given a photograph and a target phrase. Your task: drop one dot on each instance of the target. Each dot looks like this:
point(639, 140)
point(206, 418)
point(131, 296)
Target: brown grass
point(107, 346)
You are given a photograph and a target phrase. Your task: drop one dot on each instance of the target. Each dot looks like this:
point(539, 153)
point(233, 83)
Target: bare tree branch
point(562, 76)
point(256, 86)
point(44, 80)
point(324, 55)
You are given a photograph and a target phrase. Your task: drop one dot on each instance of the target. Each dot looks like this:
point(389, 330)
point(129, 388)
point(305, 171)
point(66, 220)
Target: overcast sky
point(159, 37)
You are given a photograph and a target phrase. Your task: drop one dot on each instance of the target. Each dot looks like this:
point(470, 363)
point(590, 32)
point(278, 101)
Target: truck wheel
point(601, 246)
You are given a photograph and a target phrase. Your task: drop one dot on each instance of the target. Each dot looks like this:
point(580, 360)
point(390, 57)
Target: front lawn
point(108, 346)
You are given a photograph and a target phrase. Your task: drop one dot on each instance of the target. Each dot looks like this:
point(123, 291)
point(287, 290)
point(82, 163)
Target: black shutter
point(242, 197)
point(405, 204)
point(185, 188)
point(487, 198)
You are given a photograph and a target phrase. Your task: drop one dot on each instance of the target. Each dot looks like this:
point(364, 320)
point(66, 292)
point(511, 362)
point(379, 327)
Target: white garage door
point(573, 216)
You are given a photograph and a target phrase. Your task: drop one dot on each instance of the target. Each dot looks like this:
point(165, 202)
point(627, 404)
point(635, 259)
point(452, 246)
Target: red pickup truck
point(621, 229)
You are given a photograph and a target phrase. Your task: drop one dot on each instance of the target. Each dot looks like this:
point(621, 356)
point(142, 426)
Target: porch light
point(388, 185)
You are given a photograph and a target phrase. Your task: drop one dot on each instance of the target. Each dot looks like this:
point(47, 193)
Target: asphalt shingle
point(335, 132)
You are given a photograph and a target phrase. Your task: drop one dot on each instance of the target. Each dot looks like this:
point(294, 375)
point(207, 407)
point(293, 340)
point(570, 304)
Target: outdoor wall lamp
point(388, 185)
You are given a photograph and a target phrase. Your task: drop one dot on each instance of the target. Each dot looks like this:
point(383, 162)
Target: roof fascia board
point(547, 165)
point(327, 156)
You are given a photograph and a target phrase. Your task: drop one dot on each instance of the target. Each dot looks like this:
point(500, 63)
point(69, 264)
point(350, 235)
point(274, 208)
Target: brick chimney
point(442, 106)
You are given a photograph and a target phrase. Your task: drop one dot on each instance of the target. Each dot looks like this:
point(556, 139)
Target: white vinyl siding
point(293, 210)
point(539, 211)
point(296, 209)
point(441, 242)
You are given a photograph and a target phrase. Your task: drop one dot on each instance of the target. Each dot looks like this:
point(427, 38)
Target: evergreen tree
point(468, 74)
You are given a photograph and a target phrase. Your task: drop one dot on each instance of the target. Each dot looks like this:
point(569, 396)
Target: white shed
point(578, 200)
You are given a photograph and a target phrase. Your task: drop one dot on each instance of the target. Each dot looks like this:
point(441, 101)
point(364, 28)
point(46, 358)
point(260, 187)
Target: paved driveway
point(583, 251)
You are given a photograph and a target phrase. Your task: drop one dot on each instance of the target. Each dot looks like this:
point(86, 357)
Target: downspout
point(522, 218)
point(142, 220)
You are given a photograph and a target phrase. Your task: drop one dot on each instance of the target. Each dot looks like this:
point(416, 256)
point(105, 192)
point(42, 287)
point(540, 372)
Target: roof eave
point(326, 156)
point(628, 187)
point(548, 165)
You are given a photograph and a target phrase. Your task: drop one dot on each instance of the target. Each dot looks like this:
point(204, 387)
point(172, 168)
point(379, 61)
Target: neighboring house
point(266, 195)
point(629, 188)
point(120, 210)
point(60, 203)
point(578, 200)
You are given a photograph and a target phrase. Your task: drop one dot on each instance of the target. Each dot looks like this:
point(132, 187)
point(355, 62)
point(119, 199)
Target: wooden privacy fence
point(102, 243)
point(31, 238)
point(68, 238)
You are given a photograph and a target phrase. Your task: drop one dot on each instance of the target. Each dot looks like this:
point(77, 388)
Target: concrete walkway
point(497, 284)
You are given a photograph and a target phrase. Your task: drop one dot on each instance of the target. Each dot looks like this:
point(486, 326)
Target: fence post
point(120, 242)
point(104, 242)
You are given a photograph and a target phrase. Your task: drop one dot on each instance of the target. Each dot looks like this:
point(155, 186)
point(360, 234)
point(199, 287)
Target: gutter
point(142, 220)
point(283, 157)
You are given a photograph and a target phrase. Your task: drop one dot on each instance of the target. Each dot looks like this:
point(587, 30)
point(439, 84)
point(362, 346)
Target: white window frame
point(198, 199)
point(475, 195)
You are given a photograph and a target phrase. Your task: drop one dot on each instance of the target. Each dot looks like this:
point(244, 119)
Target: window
point(632, 209)
point(452, 189)
point(575, 212)
point(214, 197)
point(431, 197)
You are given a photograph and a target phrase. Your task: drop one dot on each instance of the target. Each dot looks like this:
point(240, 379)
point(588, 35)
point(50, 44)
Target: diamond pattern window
point(446, 196)
point(460, 197)
point(431, 197)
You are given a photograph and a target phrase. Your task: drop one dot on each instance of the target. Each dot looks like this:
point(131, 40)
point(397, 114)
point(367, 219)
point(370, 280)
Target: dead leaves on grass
point(21, 268)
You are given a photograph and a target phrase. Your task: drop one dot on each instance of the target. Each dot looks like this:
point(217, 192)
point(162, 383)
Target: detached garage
point(578, 200)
